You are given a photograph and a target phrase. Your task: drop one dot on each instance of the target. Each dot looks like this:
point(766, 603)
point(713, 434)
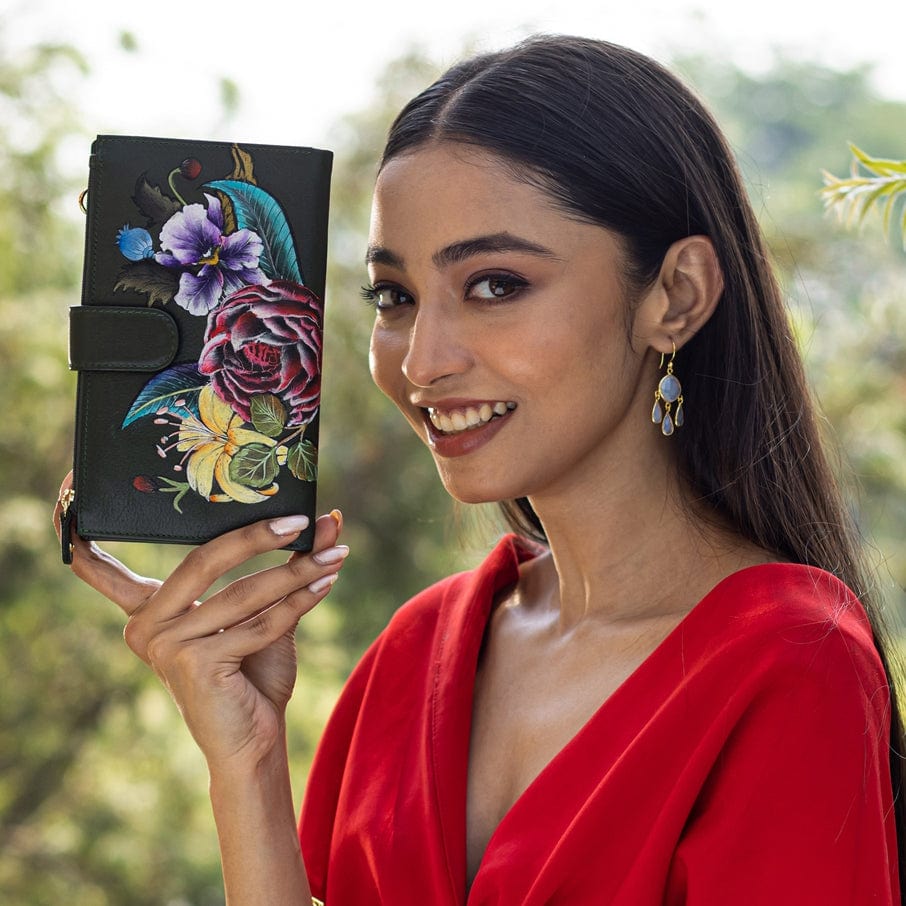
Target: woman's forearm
point(256, 826)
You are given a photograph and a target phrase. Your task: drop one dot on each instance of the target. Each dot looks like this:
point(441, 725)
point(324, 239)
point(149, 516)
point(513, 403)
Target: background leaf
point(259, 211)
point(181, 382)
point(268, 414)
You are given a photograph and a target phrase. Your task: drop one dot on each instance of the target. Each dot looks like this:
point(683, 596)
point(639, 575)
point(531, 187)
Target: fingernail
point(323, 583)
point(331, 555)
point(288, 525)
point(337, 517)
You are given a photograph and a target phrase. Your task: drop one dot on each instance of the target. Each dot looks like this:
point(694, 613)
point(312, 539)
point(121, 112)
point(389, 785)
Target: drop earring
point(669, 391)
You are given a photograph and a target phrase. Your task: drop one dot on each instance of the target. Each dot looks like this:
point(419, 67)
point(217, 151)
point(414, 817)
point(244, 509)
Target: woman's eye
point(384, 298)
point(494, 287)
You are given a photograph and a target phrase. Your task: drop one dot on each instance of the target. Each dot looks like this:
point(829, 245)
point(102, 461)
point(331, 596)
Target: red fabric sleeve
point(796, 810)
point(326, 776)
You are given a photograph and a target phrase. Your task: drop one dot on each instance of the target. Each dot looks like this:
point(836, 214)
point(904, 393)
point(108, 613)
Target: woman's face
point(502, 330)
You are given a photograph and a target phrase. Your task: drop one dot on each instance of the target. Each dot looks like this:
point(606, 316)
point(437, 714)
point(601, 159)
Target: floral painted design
point(211, 264)
point(266, 340)
point(237, 418)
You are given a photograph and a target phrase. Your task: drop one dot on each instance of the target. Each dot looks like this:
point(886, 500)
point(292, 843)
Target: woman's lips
point(480, 422)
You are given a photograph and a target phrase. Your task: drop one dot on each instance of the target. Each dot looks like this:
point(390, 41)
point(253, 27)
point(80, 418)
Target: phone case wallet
point(198, 340)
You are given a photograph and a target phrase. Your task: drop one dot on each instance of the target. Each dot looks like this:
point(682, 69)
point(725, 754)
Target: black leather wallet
point(198, 340)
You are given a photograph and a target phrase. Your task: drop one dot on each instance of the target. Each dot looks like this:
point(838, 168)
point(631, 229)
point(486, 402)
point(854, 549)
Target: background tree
point(790, 125)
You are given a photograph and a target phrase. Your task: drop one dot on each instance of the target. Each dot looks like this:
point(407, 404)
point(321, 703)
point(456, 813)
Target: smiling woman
point(471, 314)
point(667, 685)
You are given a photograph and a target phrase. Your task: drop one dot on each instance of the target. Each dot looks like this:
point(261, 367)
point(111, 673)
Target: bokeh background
point(102, 795)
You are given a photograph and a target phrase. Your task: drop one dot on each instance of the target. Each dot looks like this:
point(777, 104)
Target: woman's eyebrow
point(495, 242)
point(466, 248)
point(377, 254)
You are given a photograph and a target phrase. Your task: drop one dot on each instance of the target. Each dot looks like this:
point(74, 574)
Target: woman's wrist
point(256, 825)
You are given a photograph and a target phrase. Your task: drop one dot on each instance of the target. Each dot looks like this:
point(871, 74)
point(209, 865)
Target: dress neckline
point(500, 571)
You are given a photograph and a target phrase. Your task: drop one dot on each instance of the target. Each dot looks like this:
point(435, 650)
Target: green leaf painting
point(254, 466)
point(303, 461)
point(268, 414)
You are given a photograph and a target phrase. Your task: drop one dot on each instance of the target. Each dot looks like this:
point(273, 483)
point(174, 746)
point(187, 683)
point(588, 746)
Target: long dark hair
point(617, 140)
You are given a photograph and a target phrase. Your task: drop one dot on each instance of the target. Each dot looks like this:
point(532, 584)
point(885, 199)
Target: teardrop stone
point(680, 418)
point(670, 388)
point(656, 413)
point(667, 425)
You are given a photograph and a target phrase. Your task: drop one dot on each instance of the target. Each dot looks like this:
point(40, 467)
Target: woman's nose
point(438, 348)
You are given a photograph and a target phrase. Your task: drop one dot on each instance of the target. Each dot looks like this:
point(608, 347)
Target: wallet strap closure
point(121, 338)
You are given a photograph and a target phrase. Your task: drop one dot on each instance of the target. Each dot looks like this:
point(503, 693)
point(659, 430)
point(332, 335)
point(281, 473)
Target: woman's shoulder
point(790, 595)
point(787, 617)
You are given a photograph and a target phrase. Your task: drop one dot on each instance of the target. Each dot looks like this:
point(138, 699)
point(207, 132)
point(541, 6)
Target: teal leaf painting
point(174, 390)
point(260, 212)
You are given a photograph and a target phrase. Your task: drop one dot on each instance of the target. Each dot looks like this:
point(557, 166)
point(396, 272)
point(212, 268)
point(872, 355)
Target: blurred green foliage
point(102, 794)
point(846, 289)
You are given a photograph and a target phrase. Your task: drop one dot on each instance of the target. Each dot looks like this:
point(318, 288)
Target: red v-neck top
point(744, 762)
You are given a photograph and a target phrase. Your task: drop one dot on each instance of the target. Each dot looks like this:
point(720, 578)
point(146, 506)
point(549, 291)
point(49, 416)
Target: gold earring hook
point(672, 355)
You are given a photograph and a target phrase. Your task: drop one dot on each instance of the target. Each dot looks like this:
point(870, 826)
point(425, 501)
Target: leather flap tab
point(112, 338)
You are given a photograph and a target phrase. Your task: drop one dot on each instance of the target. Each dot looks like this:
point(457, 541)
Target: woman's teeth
point(470, 417)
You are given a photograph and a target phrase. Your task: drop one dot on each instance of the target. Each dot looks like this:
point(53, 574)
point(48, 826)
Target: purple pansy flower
point(193, 238)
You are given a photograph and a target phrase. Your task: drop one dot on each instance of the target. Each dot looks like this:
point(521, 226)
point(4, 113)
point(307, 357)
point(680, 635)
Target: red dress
point(744, 762)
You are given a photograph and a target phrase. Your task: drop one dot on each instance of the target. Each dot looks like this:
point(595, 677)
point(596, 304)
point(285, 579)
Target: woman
point(665, 688)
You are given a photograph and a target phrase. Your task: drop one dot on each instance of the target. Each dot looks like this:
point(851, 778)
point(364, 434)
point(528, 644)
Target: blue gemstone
point(656, 413)
point(680, 418)
point(670, 388)
point(667, 425)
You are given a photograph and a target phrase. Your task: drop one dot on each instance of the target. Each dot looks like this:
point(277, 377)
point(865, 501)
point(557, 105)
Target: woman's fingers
point(107, 575)
point(170, 620)
point(246, 598)
point(266, 627)
point(153, 606)
point(207, 563)
point(103, 572)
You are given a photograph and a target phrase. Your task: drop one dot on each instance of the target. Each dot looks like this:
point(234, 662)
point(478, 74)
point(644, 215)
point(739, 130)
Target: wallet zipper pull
point(66, 513)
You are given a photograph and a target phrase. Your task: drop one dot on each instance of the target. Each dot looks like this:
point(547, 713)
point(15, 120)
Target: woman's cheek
point(386, 355)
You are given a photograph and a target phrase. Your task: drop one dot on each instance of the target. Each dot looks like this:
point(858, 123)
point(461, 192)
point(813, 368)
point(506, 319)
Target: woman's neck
point(638, 547)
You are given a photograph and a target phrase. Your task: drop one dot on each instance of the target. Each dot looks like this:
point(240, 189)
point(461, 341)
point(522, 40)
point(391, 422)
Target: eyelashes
point(492, 289)
point(383, 297)
point(369, 295)
point(495, 287)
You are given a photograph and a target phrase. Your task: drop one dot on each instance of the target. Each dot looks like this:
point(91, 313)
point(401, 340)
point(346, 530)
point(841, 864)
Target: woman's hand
point(229, 661)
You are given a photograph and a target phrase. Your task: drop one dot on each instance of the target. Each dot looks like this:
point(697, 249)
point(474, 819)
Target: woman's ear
point(683, 297)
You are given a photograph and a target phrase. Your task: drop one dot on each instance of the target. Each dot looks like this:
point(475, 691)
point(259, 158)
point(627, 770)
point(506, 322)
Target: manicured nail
point(331, 555)
point(337, 517)
point(323, 583)
point(288, 525)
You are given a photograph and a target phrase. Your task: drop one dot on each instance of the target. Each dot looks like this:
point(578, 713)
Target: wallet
point(198, 339)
